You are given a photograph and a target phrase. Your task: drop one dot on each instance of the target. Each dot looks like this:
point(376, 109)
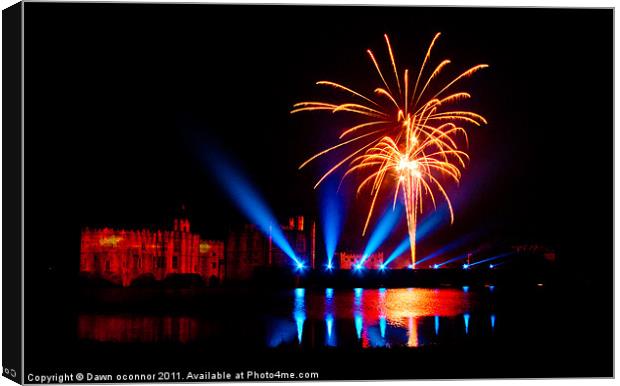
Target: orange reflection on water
point(402, 303)
point(412, 330)
point(403, 308)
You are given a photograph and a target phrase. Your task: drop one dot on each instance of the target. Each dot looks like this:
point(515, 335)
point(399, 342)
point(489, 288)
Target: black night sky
point(117, 97)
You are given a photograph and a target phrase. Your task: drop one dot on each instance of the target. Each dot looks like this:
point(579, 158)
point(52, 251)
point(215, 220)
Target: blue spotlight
point(457, 258)
point(332, 207)
point(399, 250)
point(491, 266)
point(382, 267)
point(448, 248)
point(329, 266)
point(465, 266)
point(436, 324)
point(435, 266)
point(492, 258)
point(299, 265)
point(247, 199)
point(383, 229)
point(432, 221)
point(465, 288)
point(410, 266)
point(493, 322)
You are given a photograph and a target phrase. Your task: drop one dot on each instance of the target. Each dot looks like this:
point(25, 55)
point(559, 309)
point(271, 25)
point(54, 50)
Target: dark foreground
point(553, 330)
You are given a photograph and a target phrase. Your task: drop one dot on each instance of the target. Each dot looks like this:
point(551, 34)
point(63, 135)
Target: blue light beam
point(434, 220)
point(248, 201)
point(491, 259)
point(460, 257)
point(429, 223)
point(381, 232)
point(332, 209)
point(399, 250)
point(448, 248)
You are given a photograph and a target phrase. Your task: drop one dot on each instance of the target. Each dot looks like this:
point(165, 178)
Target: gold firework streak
point(406, 135)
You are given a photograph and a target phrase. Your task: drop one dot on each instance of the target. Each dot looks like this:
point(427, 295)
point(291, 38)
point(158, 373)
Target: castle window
point(175, 262)
point(160, 262)
point(107, 266)
point(214, 265)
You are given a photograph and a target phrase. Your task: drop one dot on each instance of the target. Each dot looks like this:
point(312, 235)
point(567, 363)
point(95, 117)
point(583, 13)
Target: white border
point(482, 3)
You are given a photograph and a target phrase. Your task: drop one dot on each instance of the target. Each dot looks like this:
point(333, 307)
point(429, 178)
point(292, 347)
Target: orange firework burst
point(408, 135)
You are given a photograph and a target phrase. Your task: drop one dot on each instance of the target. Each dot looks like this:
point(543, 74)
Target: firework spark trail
point(404, 138)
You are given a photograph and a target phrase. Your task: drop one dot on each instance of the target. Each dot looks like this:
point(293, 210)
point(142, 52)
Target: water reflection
point(330, 339)
point(413, 332)
point(299, 311)
point(136, 329)
point(358, 312)
point(384, 317)
point(466, 319)
point(382, 326)
point(408, 317)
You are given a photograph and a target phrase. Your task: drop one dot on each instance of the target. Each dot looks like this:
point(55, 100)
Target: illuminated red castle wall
point(121, 256)
point(349, 260)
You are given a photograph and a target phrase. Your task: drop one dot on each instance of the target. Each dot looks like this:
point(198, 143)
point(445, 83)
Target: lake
point(351, 318)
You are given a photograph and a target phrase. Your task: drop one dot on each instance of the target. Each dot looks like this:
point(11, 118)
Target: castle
point(121, 256)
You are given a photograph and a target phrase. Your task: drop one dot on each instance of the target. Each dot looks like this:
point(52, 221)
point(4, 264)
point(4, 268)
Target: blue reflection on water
point(358, 312)
point(330, 339)
point(282, 331)
point(466, 319)
point(329, 293)
point(359, 324)
point(380, 317)
point(299, 311)
point(382, 326)
point(375, 337)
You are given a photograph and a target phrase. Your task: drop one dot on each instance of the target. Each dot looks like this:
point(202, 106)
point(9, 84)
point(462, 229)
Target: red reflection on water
point(137, 329)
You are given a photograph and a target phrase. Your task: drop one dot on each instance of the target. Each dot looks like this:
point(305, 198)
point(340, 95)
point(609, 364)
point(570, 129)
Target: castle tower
point(181, 221)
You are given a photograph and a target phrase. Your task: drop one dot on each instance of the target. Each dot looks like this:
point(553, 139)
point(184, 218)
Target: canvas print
point(309, 193)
